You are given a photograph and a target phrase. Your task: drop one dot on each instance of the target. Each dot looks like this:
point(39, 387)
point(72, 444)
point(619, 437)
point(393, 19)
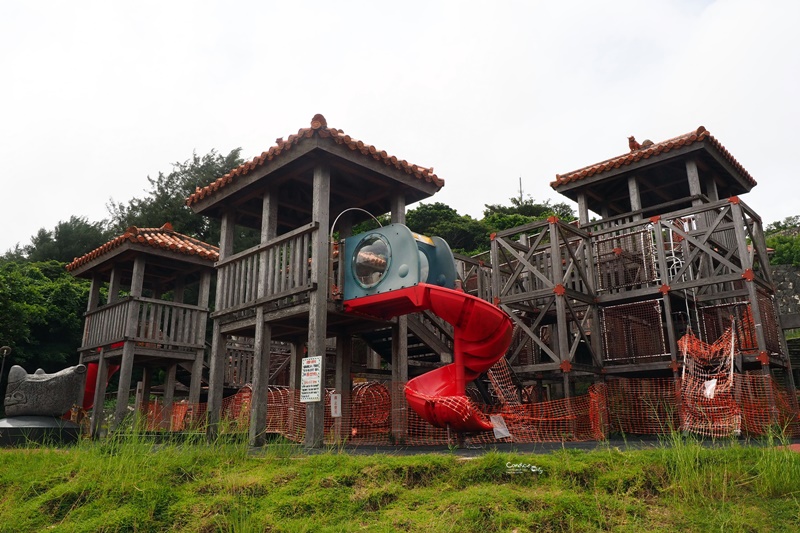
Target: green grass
point(133, 484)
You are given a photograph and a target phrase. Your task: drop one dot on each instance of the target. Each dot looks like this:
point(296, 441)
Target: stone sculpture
point(41, 394)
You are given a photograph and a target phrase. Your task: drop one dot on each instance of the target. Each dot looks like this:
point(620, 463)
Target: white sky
point(96, 96)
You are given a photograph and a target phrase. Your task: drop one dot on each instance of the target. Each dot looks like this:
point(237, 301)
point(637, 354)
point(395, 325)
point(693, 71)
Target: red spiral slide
point(482, 334)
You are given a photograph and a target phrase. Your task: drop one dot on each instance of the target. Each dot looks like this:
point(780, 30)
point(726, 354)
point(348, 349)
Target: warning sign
point(311, 379)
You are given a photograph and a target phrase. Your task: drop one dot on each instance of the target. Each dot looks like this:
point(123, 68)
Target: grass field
point(132, 484)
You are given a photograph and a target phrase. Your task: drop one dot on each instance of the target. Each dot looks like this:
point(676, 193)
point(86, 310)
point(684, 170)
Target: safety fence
point(708, 398)
point(619, 406)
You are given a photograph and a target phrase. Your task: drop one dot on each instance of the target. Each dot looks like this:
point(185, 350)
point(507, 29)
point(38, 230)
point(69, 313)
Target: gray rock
point(41, 394)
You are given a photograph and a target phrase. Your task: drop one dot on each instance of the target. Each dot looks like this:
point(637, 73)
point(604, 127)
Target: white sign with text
point(311, 379)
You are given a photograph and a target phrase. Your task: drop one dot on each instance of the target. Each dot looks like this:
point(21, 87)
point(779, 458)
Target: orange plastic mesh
point(619, 406)
point(751, 404)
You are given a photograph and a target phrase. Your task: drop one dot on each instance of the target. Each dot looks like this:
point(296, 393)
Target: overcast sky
point(96, 96)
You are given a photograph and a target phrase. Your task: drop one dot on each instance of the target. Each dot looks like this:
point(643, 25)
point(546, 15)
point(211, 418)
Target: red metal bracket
point(492, 236)
point(664, 289)
point(656, 219)
point(675, 366)
point(618, 251)
point(734, 200)
point(763, 358)
point(497, 301)
point(748, 275)
point(559, 290)
point(566, 366)
point(552, 220)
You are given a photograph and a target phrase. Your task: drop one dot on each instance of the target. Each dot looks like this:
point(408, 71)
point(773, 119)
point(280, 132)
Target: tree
point(790, 224)
point(462, 232)
point(786, 249)
point(784, 238)
point(524, 211)
point(165, 201)
point(68, 240)
point(41, 313)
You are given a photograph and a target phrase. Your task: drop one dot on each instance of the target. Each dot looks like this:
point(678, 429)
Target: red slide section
point(482, 335)
point(91, 380)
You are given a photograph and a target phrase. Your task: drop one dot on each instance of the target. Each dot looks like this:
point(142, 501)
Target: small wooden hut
point(148, 306)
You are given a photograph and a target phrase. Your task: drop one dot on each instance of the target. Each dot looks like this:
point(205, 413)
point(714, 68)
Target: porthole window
point(371, 260)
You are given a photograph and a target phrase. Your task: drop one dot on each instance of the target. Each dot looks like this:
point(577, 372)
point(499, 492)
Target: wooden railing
point(536, 258)
point(106, 325)
point(694, 248)
point(269, 271)
point(475, 275)
point(154, 323)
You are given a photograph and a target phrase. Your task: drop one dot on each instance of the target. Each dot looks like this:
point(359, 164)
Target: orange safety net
point(618, 406)
point(708, 399)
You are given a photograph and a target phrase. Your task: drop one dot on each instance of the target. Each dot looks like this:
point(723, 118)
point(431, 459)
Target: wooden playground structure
point(664, 249)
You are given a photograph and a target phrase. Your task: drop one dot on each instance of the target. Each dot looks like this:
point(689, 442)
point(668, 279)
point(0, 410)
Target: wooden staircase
point(430, 342)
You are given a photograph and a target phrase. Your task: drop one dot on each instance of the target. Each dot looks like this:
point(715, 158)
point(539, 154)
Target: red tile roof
point(164, 238)
point(639, 152)
point(319, 127)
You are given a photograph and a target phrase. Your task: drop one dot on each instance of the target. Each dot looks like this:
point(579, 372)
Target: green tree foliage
point(523, 211)
point(41, 314)
point(462, 232)
point(165, 201)
point(790, 224)
point(784, 238)
point(467, 235)
point(786, 249)
point(68, 240)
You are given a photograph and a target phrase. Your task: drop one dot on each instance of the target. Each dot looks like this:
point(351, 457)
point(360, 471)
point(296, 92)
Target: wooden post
point(94, 293)
point(399, 347)
point(114, 284)
point(216, 369)
point(295, 355)
point(147, 387)
point(635, 197)
point(583, 210)
point(131, 326)
point(318, 299)
point(169, 396)
point(344, 354)
point(693, 176)
point(260, 391)
point(752, 292)
point(711, 188)
point(562, 325)
point(663, 270)
point(179, 290)
point(91, 305)
point(373, 359)
point(263, 336)
point(96, 420)
point(195, 384)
